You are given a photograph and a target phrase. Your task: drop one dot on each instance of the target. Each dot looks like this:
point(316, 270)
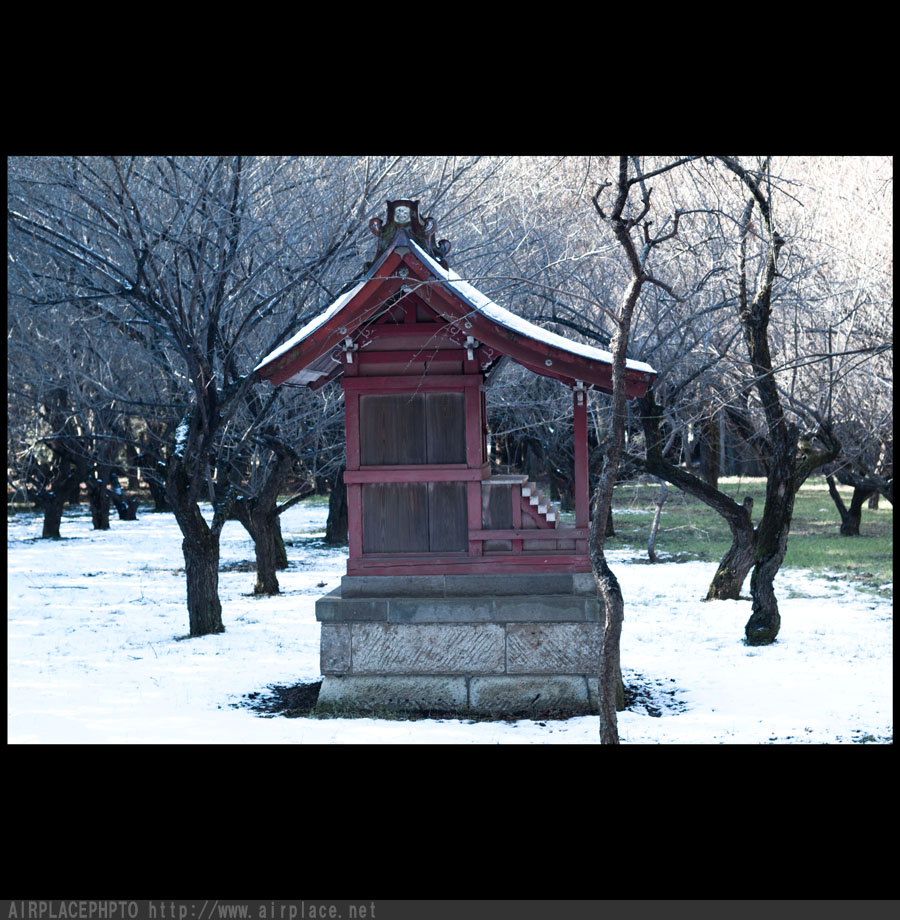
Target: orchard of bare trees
point(142, 292)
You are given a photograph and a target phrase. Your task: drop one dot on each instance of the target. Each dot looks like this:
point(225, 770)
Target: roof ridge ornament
point(403, 217)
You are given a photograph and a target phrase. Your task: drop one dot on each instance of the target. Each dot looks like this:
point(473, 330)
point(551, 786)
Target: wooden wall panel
point(415, 517)
point(448, 520)
point(496, 504)
point(445, 426)
point(392, 429)
point(395, 517)
point(497, 514)
point(412, 428)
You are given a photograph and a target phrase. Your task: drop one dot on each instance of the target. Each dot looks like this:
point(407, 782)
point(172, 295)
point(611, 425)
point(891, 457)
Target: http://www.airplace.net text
point(188, 910)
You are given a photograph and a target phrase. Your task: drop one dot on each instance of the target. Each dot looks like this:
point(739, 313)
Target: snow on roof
point(488, 308)
point(313, 324)
point(478, 301)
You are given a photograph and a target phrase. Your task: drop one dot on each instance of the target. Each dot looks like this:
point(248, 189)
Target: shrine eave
point(313, 355)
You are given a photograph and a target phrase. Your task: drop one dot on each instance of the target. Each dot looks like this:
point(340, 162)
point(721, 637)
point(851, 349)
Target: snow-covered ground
point(96, 652)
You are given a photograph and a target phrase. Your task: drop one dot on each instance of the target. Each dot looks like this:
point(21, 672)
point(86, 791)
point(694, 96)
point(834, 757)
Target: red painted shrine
point(464, 591)
point(416, 346)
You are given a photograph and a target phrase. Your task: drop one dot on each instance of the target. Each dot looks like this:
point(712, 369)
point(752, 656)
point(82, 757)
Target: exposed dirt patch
point(656, 697)
point(652, 697)
point(294, 702)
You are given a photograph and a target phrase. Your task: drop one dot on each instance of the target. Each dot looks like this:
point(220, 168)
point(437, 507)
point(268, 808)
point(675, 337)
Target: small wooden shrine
point(415, 347)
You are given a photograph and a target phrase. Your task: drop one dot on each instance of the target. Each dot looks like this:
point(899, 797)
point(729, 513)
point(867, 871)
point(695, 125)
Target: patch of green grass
point(689, 529)
point(865, 559)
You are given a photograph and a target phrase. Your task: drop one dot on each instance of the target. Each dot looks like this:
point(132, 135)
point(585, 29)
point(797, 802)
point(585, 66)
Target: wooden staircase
point(545, 512)
point(518, 520)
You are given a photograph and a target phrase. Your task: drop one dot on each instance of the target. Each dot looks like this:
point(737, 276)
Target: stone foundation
point(461, 644)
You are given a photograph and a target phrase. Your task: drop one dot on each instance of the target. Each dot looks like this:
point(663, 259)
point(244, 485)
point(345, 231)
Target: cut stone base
point(530, 696)
point(525, 646)
point(353, 695)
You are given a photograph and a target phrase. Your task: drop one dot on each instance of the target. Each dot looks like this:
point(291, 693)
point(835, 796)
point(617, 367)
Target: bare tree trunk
point(126, 507)
point(264, 526)
point(153, 470)
point(260, 515)
point(733, 569)
point(270, 552)
point(337, 527)
point(52, 506)
point(201, 555)
point(610, 679)
point(610, 676)
point(63, 488)
point(654, 527)
point(279, 550)
point(98, 500)
point(201, 561)
point(851, 517)
point(131, 468)
point(771, 542)
point(710, 451)
point(159, 495)
point(737, 562)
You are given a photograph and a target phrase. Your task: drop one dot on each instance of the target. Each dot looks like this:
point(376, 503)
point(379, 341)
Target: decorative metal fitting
point(403, 218)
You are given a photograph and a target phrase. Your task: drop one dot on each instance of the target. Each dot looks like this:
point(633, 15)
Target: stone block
point(495, 585)
point(427, 648)
point(392, 586)
point(593, 684)
point(441, 610)
point(583, 583)
point(500, 609)
point(540, 607)
point(387, 694)
point(334, 648)
point(553, 648)
point(333, 608)
point(530, 696)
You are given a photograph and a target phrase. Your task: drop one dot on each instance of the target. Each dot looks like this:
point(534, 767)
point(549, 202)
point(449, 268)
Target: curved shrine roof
point(315, 353)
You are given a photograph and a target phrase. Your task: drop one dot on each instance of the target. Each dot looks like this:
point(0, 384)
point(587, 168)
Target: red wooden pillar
point(474, 453)
point(582, 487)
point(354, 490)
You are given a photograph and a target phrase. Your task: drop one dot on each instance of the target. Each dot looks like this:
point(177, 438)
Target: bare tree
point(65, 428)
point(297, 442)
point(791, 455)
point(811, 377)
point(189, 256)
point(629, 225)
